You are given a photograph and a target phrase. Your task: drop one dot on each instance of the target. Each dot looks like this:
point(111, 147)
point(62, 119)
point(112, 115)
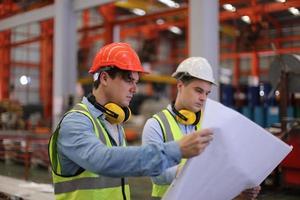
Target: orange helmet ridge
point(118, 54)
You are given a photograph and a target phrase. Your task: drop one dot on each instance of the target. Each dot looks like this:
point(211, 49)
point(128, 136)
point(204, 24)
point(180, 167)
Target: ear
point(103, 78)
point(179, 85)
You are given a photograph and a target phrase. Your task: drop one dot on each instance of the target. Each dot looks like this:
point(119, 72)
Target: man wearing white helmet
point(194, 83)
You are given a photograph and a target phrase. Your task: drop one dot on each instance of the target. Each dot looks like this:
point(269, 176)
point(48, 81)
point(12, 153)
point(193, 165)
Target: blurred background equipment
point(285, 78)
point(11, 113)
point(289, 64)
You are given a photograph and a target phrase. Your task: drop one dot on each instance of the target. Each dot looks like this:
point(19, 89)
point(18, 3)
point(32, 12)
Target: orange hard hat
point(118, 54)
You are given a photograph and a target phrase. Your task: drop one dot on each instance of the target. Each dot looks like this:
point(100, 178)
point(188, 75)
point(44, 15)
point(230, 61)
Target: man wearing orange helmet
point(87, 151)
point(194, 83)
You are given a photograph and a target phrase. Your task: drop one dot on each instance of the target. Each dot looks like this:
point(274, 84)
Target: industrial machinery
point(285, 75)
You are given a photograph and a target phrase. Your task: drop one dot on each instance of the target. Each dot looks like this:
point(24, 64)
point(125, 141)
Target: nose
point(203, 96)
point(133, 88)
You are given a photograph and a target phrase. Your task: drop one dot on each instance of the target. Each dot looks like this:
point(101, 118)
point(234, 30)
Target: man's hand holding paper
point(241, 155)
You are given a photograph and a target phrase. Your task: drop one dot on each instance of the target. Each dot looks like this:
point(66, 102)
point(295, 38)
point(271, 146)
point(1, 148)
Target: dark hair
point(185, 78)
point(96, 83)
point(113, 72)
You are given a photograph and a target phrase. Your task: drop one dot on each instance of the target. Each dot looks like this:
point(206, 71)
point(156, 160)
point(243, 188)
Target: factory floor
point(140, 187)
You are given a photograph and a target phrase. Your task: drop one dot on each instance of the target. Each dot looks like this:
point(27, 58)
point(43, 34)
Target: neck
point(178, 105)
point(100, 96)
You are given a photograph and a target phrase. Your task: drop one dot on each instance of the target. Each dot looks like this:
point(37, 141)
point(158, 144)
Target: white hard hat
point(197, 67)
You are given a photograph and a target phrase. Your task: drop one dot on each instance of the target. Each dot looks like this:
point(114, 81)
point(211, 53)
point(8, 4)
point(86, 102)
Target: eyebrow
point(203, 90)
point(130, 78)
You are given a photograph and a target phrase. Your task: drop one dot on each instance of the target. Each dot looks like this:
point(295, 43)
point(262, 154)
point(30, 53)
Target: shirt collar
point(169, 107)
point(94, 111)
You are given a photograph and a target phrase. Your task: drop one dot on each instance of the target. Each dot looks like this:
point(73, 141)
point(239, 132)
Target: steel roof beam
point(27, 17)
point(44, 13)
point(259, 8)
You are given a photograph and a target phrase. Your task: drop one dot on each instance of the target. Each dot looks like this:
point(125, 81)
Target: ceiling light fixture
point(175, 29)
point(281, 1)
point(138, 11)
point(229, 7)
point(24, 80)
point(246, 19)
point(160, 21)
point(294, 11)
point(170, 3)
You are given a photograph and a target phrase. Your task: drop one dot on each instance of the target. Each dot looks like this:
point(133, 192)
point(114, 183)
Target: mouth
point(129, 97)
point(199, 105)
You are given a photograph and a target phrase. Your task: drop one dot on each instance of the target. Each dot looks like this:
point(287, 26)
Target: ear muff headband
point(187, 117)
point(114, 113)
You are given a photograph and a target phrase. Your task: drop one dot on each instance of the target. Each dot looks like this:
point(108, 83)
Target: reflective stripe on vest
point(168, 136)
point(86, 183)
point(171, 132)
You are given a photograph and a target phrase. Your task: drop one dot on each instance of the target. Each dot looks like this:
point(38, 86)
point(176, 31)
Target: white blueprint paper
point(241, 156)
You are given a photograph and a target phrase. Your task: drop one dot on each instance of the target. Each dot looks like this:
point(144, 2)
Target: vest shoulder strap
point(166, 121)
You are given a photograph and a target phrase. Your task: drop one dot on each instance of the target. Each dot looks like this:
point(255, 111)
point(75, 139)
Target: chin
point(197, 109)
point(124, 104)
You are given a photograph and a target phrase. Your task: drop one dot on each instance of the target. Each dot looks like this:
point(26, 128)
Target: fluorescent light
point(294, 11)
point(246, 19)
point(229, 7)
point(138, 11)
point(176, 30)
point(170, 3)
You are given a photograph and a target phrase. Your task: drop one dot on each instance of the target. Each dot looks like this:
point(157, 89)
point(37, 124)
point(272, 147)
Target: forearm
point(147, 160)
point(166, 177)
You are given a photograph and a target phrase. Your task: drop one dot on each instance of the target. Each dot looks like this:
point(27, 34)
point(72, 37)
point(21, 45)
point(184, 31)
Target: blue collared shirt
point(152, 134)
point(78, 147)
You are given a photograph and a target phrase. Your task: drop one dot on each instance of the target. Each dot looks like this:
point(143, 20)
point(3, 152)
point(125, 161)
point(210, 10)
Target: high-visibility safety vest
point(85, 184)
point(171, 132)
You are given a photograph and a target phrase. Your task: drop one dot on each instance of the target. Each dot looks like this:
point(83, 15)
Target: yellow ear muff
point(119, 114)
point(190, 117)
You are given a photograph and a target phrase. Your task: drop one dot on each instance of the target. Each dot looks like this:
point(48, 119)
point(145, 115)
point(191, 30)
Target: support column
point(4, 64)
point(65, 61)
point(254, 79)
point(46, 67)
point(108, 13)
point(84, 43)
point(236, 66)
point(236, 72)
point(204, 34)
